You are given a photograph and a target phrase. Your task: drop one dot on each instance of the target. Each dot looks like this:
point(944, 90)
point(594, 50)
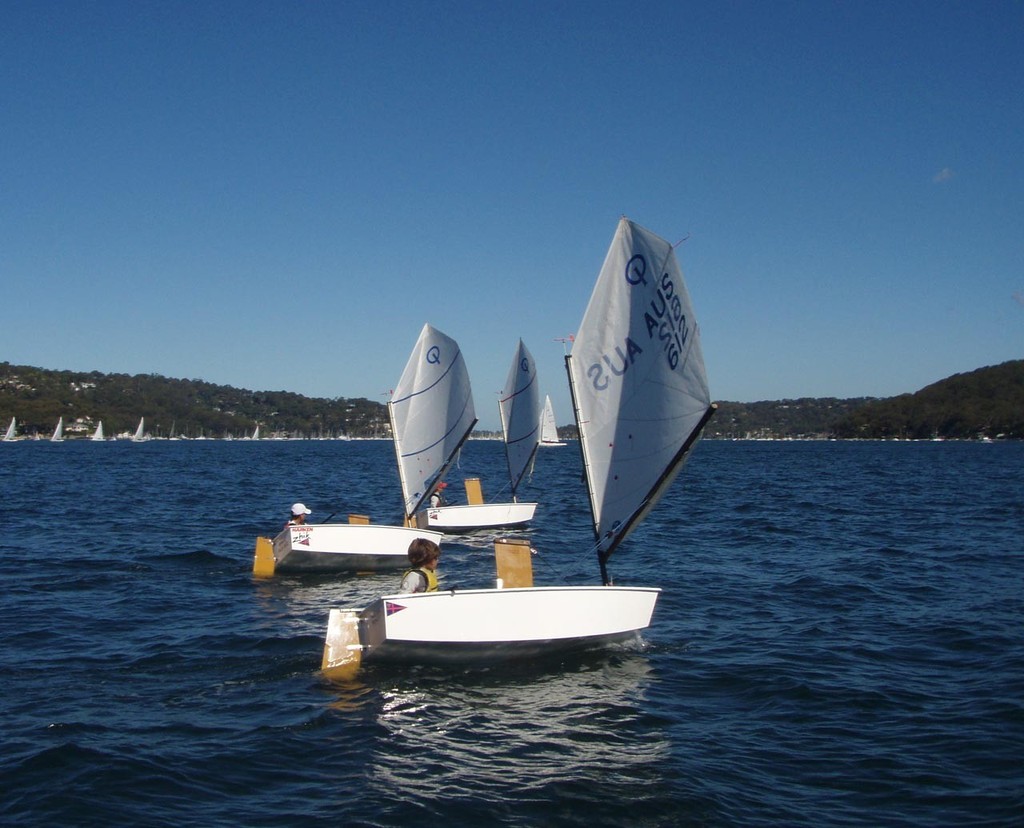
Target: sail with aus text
point(640, 390)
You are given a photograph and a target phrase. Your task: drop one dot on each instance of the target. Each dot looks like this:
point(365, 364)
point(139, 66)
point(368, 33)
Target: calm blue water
point(840, 642)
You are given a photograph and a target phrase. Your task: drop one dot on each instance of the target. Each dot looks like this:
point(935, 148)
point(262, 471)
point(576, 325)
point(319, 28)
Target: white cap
point(300, 509)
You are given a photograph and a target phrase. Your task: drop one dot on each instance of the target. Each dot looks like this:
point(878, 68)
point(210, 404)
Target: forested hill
point(988, 403)
point(37, 397)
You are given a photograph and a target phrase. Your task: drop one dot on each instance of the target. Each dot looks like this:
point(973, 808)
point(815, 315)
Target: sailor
point(437, 498)
point(299, 512)
point(422, 577)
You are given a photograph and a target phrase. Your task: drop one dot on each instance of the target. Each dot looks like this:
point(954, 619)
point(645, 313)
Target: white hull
point(476, 516)
point(345, 547)
point(488, 625)
point(548, 444)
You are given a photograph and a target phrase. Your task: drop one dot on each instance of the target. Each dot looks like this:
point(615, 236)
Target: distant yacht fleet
point(81, 431)
point(549, 435)
point(140, 435)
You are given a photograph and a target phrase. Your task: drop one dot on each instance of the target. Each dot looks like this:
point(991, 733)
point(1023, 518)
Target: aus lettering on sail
point(664, 320)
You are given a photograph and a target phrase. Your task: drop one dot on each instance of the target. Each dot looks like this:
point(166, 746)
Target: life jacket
point(429, 575)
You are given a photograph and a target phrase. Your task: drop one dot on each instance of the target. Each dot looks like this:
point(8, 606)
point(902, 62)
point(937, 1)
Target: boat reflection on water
point(495, 732)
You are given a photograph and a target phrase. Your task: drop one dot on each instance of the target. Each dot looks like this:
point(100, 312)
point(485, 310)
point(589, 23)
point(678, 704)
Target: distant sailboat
point(518, 408)
point(98, 434)
point(256, 433)
point(11, 429)
point(140, 432)
point(548, 429)
point(58, 432)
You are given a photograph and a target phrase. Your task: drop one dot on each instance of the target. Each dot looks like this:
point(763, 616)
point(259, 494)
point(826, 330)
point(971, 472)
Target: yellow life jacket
point(429, 574)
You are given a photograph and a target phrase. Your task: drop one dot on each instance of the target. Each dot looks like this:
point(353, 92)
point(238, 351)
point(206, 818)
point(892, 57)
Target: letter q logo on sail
point(636, 270)
point(433, 355)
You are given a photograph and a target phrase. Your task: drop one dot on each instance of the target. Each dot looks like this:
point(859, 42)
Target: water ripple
point(838, 642)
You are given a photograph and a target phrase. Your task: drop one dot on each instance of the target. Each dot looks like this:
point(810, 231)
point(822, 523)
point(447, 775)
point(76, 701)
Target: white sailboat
point(97, 435)
point(140, 435)
point(12, 431)
point(518, 406)
point(548, 428)
point(348, 548)
point(432, 415)
point(354, 547)
point(641, 401)
point(58, 432)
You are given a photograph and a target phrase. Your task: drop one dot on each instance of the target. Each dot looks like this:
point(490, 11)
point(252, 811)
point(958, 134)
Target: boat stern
point(343, 650)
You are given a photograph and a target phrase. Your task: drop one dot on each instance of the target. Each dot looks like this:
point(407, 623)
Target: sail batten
point(638, 382)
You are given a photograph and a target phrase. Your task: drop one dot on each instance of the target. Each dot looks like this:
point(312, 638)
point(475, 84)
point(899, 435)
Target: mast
point(601, 559)
point(504, 438)
point(398, 462)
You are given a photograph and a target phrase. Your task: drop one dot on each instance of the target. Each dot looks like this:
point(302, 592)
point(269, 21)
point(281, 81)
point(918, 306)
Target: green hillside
point(987, 403)
point(37, 397)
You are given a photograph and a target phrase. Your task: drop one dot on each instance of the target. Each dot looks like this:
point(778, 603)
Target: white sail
point(140, 432)
point(98, 433)
point(518, 407)
point(58, 432)
point(432, 414)
point(548, 429)
point(640, 391)
point(11, 431)
point(256, 433)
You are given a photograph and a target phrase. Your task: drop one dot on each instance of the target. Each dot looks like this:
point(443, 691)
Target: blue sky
point(277, 196)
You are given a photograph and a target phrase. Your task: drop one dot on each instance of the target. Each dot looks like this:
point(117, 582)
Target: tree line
point(37, 397)
point(986, 403)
